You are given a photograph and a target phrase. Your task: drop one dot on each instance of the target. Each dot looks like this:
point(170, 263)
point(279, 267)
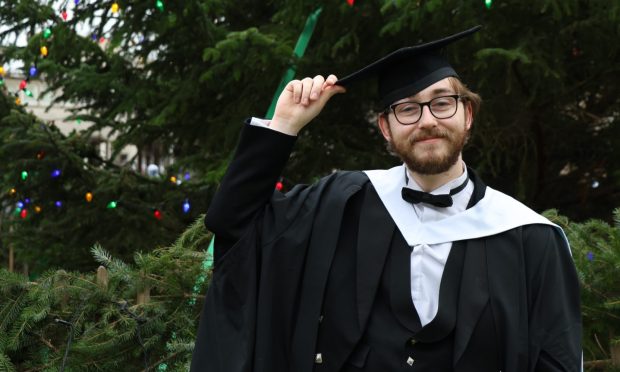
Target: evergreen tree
point(184, 76)
point(128, 317)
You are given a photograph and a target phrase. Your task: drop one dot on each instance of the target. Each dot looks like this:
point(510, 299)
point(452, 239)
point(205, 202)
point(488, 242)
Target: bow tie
point(442, 200)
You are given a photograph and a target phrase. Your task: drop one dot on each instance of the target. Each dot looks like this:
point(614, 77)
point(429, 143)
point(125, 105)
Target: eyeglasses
point(408, 113)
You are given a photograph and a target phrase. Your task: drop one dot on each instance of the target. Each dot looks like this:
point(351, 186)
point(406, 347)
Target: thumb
point(330, 91)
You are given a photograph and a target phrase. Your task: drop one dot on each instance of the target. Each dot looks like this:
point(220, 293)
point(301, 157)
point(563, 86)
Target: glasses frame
point(393, 107)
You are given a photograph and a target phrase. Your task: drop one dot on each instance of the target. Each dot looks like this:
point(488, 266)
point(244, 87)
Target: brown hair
point(467, 95)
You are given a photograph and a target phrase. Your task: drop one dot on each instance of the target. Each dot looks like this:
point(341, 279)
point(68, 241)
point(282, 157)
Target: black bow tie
point(442, 200)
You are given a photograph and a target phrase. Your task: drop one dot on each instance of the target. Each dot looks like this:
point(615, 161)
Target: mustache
point(428, 134)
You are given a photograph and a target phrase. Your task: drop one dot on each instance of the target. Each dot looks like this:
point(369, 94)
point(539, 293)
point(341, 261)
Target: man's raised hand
point(301, 101)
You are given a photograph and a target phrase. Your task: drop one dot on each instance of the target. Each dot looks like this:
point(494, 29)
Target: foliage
point(183, 80)
point(58, 236)
point(105, 324)
point(595, 246)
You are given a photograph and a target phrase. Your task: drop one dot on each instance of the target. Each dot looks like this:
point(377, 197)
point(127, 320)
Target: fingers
point(308, 90)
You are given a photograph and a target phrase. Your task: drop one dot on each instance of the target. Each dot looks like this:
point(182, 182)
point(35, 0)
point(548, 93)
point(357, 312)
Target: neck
point(430, 182)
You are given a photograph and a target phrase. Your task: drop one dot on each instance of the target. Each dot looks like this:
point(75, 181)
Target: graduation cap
point(408, 70)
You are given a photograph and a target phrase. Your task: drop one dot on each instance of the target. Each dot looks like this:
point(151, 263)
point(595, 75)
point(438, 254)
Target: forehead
point(443, 86)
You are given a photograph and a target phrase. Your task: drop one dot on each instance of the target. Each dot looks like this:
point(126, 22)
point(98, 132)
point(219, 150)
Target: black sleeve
point(553, 301)
point(247, 185)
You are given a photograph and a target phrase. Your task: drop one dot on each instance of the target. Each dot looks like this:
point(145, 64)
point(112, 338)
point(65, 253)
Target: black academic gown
point(274, 254)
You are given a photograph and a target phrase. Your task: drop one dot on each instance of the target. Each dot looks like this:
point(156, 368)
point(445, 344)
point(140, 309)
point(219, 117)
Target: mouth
point(428, 140)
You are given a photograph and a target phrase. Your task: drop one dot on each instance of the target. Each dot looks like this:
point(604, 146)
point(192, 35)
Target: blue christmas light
point(58, 204)
point(27, 201)
point(590, 256)
point(186, 176)
point(186, 206)
point(20, 204)
point(33, 71)
point(56, 173)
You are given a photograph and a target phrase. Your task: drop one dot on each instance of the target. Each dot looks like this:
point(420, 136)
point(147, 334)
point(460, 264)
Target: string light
point(40, 155)
point(187, 176)
point(18, 101)
point(2, 72)
point(12, 192)
point(56, 173)
point(157, 214)
point(22, 84)
point(64, 14)
point(23, 214)
point(19, 204)
point(47, 33)
point(24, 175)
point(44, 51)
point(279, 186)
point(115, 8)
point(27, 92)
point(111, 205)
point(33, 71)
point(159, 4)
point(37, 209)
point(186, 206)
point(88, 197)
point(488, 3)
point(58, 204)
point(173, 179)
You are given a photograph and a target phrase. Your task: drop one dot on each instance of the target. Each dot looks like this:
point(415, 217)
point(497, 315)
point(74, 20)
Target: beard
point(433, 158)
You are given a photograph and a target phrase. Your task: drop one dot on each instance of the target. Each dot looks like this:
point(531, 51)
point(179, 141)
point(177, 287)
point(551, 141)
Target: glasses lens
point(408, 112)
point(443, 107)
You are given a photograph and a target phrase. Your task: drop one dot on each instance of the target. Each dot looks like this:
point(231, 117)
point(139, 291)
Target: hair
point(466, 94)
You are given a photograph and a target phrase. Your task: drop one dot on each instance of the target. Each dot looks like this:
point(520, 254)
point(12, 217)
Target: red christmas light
point(22, 85)
point(279, 186)
point(23, 214)
point(64, 14)
point(350, 2)
point(157, 214)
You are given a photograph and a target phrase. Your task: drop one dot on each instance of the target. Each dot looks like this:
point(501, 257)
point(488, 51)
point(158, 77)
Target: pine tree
point(124, 317)
point(182, 77)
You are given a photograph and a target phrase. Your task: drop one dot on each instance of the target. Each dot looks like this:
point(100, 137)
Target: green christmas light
point(111, 205)
point(28, 92)
point(24, 175)
point(79, 121)
point(488, 3)
point(159, 4)
point(47, 33)
point(1, 82)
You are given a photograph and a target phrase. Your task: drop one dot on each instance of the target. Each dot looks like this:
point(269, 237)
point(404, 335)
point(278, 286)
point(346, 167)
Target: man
point(416, 268)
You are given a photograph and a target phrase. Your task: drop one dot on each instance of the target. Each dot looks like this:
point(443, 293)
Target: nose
point(426, 119)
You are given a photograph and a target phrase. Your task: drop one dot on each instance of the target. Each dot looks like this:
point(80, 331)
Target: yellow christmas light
point(2, 72)
point(12, 192)
point(89, 196)
point(115, 8)
point(173, 179)
point(18, 101)
point(44, 51)
point(37, 209)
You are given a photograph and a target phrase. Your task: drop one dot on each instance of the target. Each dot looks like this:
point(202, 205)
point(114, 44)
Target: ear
point(384, 125)
point(469, 115)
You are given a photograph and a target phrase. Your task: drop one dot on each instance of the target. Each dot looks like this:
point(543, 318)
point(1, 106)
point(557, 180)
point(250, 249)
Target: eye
point(442, 103)
point(407, 109)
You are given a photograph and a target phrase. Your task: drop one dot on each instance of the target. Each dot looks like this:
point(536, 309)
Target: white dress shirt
point(429, 260)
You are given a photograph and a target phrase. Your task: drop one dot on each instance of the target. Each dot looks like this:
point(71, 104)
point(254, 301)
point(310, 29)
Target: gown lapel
point(376, 229)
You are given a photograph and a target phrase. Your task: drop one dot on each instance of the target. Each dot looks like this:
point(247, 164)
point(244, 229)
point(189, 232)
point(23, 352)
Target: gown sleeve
point(247, 185)
point(553, 302)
